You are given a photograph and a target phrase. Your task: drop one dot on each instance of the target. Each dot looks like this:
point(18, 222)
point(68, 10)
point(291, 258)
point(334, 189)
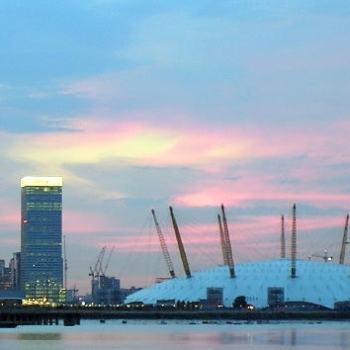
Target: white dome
point(315, 282)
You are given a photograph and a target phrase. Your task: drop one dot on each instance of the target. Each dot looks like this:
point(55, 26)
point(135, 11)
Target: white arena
point(320, 283)
point(275, 283)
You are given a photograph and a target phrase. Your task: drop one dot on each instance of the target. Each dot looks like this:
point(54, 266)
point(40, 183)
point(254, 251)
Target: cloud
point(146, 105)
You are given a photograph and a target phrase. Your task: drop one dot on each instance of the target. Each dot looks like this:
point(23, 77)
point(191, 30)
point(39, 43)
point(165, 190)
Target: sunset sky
point(142, 104)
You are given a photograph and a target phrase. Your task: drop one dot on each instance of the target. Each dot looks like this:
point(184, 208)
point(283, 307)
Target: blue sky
point(146, 104)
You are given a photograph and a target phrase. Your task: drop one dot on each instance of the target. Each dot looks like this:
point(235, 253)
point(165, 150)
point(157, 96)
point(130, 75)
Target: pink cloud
point(10, 219)
point(10, 216)
point(99, 138)
point(76, 222)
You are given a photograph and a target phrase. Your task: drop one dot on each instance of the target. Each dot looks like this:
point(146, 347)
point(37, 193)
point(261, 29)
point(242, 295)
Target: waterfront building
point(41, 263)
point(284, 283)
point(262, 283)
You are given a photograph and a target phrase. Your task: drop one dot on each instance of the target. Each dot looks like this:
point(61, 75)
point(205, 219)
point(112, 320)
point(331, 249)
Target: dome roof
point(319, 283)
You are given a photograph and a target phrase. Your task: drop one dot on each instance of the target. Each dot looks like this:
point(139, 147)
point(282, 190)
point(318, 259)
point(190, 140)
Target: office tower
point(41, 265)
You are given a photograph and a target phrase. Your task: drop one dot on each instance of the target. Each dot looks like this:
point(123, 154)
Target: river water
point(184, 335)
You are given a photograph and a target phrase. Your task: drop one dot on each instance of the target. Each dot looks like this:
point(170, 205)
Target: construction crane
point(180, 244)
point(104, 270)
point(163, 246)
point(345, 241)
point(97, 270)
point(227, 244)
point(75, 291)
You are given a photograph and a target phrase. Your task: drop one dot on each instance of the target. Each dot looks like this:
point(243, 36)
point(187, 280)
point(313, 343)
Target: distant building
point(10, 294)
point(5, 276)
point(41, 263)
point(106, 291)
point(15, 270)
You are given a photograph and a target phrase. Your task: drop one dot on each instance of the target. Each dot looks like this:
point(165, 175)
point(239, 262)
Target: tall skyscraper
point(41, 262)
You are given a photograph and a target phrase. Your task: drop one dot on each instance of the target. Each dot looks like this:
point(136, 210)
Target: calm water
point(136, 335)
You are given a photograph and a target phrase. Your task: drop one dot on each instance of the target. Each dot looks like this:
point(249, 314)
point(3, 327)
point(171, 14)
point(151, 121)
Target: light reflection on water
point(136, 335)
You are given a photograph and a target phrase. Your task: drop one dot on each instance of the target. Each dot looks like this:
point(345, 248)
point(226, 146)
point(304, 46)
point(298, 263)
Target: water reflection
point(182, 336)
point(39, 336)
point(344, 339)
point(281, 337)
point(338, 338)
point(235, 338)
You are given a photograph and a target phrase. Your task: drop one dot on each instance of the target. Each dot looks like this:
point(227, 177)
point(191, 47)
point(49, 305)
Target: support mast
point(294, 244)
point(180, 244)
point(228, 247)
point(283, 239)
point(344, 242)
point(222, 240)
point(163, 246)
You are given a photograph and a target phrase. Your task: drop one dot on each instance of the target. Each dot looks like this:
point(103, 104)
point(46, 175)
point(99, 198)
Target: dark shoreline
point(219, 315)
point(71, 316)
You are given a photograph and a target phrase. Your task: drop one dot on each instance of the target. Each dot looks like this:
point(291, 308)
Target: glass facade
point(41, 238)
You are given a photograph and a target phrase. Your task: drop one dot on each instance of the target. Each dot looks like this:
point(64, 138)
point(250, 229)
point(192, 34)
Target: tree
point(240, 302)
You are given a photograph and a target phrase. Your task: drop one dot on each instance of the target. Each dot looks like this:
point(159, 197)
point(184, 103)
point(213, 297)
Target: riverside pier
point(38, 316)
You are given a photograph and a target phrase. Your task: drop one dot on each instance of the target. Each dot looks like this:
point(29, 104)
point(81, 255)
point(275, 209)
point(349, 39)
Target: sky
point(143, 105)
